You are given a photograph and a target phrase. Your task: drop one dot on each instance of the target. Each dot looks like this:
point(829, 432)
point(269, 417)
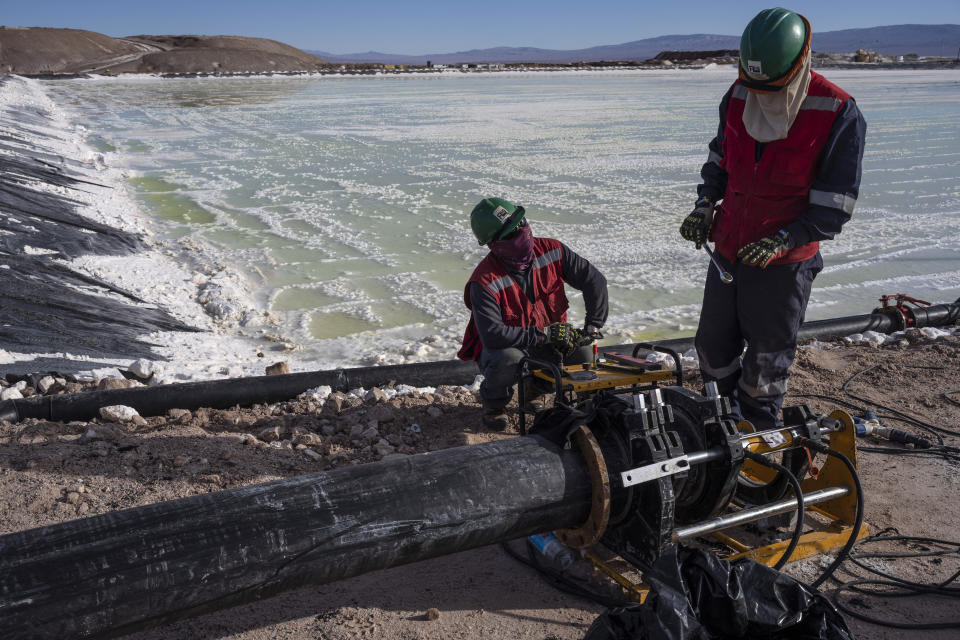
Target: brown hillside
point(40, 50)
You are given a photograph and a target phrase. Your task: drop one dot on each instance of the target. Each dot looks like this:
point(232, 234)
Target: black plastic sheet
point(696, 596)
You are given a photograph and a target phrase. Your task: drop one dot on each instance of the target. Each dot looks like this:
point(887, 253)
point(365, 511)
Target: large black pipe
point(130, 570)
point(220, 394)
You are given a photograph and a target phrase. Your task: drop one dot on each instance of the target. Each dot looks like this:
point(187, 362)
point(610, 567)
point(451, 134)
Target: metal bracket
point(648, 472)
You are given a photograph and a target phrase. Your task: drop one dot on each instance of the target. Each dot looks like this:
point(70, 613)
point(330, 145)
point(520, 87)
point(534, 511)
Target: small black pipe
point(220, 394)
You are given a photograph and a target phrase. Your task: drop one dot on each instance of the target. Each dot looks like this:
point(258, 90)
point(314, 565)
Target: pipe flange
point(900, 320)
point(590, 532)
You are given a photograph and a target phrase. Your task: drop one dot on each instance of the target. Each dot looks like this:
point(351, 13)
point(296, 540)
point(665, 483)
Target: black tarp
point(695, 595)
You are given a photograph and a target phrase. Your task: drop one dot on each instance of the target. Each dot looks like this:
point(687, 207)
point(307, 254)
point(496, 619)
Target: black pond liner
point(45, 306)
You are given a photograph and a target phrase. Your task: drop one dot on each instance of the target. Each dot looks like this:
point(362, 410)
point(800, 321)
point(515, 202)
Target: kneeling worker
point(518, 304)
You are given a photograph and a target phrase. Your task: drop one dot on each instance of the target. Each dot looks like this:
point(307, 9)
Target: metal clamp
point(648, 472)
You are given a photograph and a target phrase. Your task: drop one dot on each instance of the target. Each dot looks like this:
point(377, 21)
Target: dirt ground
point(52, 472)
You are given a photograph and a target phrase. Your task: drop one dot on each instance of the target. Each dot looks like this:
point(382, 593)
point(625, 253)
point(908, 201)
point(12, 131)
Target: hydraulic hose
point(858, 518)
point(797, 491)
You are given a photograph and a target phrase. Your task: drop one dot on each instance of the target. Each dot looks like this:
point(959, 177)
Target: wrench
point(725, 276)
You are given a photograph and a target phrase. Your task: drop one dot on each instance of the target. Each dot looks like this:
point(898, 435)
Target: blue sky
point(424, 26)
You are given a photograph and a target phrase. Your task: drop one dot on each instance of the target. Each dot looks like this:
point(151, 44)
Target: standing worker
point(518, 305)
point(782, 174)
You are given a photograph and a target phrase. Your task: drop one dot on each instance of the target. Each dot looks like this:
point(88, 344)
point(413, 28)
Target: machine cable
point(948, 452)
point(891, 586)
point(858, 518)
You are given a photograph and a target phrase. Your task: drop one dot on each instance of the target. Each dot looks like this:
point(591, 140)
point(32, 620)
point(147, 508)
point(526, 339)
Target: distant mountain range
point(921, 39)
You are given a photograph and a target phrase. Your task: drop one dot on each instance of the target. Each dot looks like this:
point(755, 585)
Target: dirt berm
point(41, 50)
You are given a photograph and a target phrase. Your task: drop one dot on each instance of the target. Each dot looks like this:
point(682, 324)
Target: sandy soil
point(53, 472)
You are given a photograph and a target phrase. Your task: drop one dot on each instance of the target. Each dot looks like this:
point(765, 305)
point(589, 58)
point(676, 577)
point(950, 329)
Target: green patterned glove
point(764, 250)
point(562, 337)
point(696, 226)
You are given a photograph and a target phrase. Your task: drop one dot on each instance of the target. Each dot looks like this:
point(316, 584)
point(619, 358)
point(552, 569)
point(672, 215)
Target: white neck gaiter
point(769, 116)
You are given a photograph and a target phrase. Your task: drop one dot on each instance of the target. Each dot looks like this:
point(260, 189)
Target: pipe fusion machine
point(668, 465)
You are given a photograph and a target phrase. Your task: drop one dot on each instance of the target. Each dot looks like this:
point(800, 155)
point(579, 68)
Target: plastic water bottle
point(557, 554)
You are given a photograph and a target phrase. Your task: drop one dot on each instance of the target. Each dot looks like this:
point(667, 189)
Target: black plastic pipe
point(220, 394)
point(135, 569)
point(832, 328)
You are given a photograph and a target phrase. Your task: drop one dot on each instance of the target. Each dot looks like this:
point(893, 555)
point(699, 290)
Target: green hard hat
point(494, 218)
point(771, 43)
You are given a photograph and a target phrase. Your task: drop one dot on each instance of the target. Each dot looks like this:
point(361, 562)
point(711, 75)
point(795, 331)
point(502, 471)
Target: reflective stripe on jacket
point(550, 303)
point(764, 195)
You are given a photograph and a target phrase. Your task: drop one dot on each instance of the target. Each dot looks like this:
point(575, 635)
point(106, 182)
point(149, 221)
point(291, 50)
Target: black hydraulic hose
point(797, 491)
point(858, 518)
point(896, 587)
point(933, 429)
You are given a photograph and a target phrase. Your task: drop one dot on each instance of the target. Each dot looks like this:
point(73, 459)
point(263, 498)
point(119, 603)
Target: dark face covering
point(516, 250)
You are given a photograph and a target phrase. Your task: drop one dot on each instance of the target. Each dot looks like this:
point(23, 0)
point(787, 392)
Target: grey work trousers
point(762, 309)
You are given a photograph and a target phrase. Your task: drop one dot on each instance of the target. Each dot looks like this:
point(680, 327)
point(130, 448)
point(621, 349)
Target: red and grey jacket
point(806, 183)
point(550, 303)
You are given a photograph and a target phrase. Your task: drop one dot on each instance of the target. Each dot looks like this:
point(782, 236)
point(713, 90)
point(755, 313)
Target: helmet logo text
point(501, 213)
point(754, 67)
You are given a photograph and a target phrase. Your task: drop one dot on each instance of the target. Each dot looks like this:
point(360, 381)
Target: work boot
point(533, 392)
point(495, 419)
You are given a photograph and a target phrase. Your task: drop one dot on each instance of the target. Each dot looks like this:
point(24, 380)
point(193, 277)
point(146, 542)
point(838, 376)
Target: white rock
point(44, 383)
point(100, 374)
point(874, 337)
point(21, 385)
point(10, 393)
point(310, 453)
point(318, 394)
point(933, 333)
point(143, 368)
point(118, 413)
point(476, 384)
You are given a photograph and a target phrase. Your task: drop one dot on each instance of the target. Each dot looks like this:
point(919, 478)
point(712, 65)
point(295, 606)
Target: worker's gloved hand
point(588, 334)
point(696, 226)
point(563, 337)
point(764, 250)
